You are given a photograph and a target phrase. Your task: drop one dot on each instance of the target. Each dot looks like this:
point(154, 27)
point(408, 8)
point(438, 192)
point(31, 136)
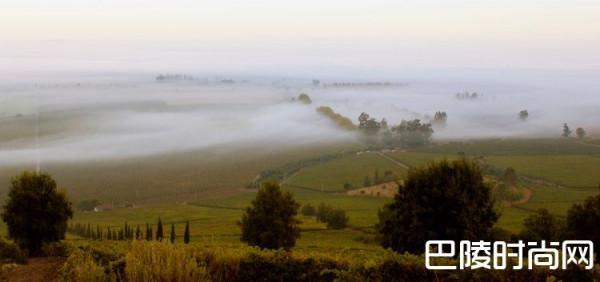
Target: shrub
point(81, 266)
point(10, 252)
point(337, 219)
point(334, 218)
point(56, 249)
point(156, 261)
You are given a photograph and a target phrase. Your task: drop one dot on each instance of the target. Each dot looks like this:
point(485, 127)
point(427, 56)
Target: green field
point(331, 176)
point(567, 170)
point(208, 189)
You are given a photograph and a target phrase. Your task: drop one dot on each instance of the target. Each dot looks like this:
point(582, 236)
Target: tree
point(270, 221)
point(323, 212)
point(440, 118)
point(523, 115)
point(444, 200)
point(304, 98)
point(186, 233)
point(336, 219)
point(510, 176)
point(542, 226)
point(172, 235)
point(566, 131)
point(412, 133)
point(148, 232)
point(582, 221)
point(580, 132)
point(35, 212)
point(159, 231)
point(369, 126)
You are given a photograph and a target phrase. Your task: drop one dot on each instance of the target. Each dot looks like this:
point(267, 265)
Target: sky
point(547, 34)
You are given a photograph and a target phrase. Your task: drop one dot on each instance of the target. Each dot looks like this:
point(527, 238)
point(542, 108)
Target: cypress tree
point(138, 232)
point(148, 233)
point(172, 236)
point(186, 233)
point(108, 234)
point(159, 231)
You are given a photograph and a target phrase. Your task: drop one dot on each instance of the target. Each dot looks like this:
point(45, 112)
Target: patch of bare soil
point(46, 269)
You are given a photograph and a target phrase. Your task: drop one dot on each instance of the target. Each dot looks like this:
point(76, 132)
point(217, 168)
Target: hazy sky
point(193, 19)
point(484, 33)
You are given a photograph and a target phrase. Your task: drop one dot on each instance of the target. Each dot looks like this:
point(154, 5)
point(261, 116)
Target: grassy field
point(176, 177)
point(331, 176)
point(567, 170)
point(209, 190)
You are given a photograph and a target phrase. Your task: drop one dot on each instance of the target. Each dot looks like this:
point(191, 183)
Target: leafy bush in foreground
point(156, 261)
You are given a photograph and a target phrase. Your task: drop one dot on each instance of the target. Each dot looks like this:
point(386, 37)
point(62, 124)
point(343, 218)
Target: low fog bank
point(89, 101)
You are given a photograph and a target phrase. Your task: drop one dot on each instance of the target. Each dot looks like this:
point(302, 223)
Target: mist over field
point(104, 102)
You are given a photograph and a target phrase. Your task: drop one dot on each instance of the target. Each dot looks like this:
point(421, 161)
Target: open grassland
point(218, 203)
point(488, 147)
point(567, 170)
point(332, 175)
point(176, 177)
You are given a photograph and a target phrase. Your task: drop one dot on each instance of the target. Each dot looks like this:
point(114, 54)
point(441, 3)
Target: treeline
point(409, 133)
point(334, 218)
point(127, 232)
point(340, 120)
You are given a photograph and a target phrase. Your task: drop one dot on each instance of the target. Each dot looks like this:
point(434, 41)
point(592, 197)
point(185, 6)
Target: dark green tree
point(583, 221)
point(186, 233)
point(523, 115)
point(542, 226)
point(35, 212)
point(270, 221)
point(159, 231)
point(138, 233)
point(172, 234)
point(336, 219)
point(444, 200)
point(148, 232)
point(566, 131)
point(323, 212)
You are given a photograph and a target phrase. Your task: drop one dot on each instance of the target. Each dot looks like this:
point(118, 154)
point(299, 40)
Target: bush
point(56, 249)
point(334, 218)
point(10, 252)
point(156, 261)
point(337, 219)
point(81, 266)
